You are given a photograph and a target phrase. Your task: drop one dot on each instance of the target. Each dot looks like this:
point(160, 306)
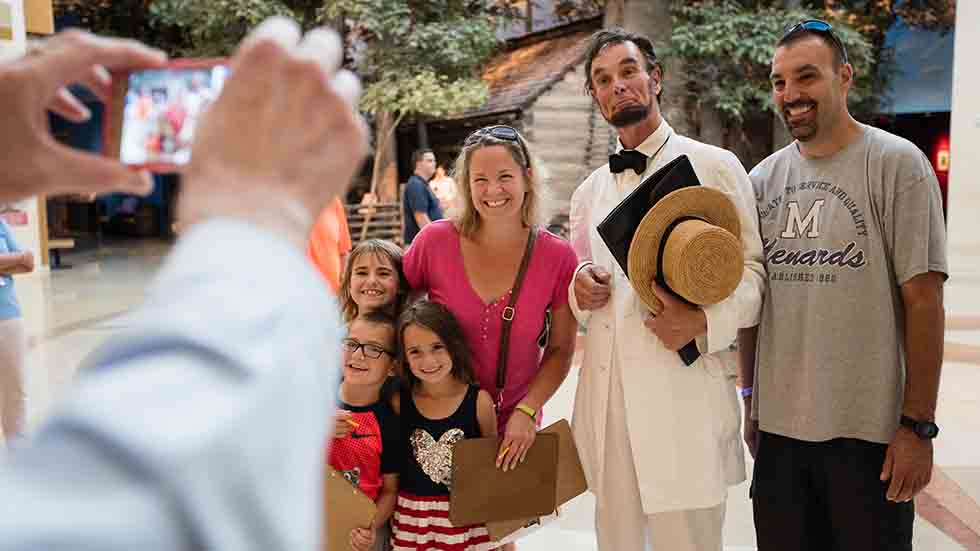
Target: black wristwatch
point(925, 430)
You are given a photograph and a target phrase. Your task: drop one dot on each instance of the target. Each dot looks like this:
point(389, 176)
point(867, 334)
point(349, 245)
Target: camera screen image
point(161, 110)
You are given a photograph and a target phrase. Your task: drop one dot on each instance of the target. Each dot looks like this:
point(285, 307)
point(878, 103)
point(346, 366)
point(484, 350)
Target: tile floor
point(69, 312)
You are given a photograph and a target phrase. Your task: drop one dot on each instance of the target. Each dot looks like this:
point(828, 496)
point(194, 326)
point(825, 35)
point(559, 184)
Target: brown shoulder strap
point(508, 316)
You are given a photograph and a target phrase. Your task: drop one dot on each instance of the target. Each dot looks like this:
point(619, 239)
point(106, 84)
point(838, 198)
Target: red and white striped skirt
point(421, 523)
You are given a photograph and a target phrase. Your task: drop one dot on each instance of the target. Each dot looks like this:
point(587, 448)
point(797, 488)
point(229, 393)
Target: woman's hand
point(518, 437)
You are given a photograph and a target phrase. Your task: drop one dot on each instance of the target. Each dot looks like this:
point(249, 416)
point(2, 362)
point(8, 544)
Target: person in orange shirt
point(330, 242)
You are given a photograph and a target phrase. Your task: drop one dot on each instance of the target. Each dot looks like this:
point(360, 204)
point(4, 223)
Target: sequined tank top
point(428, 468)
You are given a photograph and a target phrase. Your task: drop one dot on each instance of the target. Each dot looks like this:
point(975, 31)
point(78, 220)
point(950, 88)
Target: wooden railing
point(377, 221)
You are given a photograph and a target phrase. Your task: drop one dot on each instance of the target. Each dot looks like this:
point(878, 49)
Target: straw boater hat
point(702, 254)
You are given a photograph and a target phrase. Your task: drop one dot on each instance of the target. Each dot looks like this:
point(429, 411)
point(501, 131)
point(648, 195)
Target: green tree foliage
point(416, 57)
point(409, 51)
point(727, 51)
point(213, 28)
point(935, 15)
point(185, 28)
point(425, 92)
point(727, 45)
point(126, 18)
point(419, 57)
point(872, 18)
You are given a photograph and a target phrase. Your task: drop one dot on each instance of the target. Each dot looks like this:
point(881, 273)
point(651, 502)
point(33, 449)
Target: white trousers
point(12, 349)
point(621, 524)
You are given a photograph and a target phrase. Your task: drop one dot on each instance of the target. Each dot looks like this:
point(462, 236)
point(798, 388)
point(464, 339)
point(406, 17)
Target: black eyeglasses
point(818, 26)
point(369, 350)
point(501, 132)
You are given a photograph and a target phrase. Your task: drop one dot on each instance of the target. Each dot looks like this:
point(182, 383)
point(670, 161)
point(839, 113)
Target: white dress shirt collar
point(654, 141)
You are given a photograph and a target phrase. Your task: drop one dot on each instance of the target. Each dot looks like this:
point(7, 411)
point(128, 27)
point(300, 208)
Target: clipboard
point(347, 507)
point(571, 481)
point(483, 493)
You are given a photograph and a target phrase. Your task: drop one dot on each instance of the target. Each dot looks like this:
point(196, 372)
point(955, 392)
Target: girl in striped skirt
point(439, 406)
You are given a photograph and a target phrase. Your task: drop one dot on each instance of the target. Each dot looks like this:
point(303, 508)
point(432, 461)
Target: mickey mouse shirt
point(373, 448)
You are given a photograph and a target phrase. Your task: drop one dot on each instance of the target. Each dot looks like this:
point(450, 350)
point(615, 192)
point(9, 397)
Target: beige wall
point(964, 176)
point(40, 16)
point(29, 287)
point(29, 236)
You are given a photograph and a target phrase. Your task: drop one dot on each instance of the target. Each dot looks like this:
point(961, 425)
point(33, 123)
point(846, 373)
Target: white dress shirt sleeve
point(743, 307)
point(204, 425)
point(578, 221)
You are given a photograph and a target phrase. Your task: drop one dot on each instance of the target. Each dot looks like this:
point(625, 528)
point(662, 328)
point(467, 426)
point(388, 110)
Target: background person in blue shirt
point(421, 206)
point(12, 261)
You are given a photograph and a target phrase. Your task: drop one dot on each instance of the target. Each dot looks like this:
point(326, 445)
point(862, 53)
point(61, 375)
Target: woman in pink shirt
point(470, 264)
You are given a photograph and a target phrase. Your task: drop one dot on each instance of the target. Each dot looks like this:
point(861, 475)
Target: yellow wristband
point(526, 409)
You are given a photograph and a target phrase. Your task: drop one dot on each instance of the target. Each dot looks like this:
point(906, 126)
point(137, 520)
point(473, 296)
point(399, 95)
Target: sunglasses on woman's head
point(501, 132)
point(818, 26)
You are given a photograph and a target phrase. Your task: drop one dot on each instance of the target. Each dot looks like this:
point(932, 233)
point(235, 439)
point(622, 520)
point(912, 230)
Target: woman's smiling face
point(497, 183)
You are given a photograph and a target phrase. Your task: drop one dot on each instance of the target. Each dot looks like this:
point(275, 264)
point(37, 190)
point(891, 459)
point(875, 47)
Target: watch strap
point(923, 429)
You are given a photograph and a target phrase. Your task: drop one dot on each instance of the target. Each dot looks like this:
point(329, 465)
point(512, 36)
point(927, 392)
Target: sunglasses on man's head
point(818, 26)
point(501, 132)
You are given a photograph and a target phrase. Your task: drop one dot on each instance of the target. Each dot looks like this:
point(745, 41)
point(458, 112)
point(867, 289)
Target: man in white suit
point(659, 439)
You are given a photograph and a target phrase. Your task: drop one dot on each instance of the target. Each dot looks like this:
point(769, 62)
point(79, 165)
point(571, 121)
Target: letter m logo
point(797, 226)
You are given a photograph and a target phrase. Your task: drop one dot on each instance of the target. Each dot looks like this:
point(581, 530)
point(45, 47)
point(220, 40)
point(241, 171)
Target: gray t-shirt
point(841, 234)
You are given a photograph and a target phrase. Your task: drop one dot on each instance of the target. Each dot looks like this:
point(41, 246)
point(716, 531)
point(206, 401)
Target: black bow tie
point(628, 158)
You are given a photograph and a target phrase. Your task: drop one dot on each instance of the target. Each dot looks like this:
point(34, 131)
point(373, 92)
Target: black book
point(619, 227)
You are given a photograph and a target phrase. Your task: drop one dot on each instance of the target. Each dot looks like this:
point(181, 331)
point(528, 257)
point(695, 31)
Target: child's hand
point(362, 539)
point(343, 426)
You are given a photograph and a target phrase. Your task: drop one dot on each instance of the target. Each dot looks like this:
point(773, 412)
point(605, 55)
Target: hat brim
point(708, 204)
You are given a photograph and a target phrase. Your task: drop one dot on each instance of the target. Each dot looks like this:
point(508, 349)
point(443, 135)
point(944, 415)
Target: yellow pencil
point(503, 453)
point(353, 423)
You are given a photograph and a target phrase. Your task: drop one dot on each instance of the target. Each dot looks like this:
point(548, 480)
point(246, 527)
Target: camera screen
point(161, 110)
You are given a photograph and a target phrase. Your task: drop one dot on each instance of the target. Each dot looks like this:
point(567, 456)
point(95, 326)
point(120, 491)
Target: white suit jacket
point(683, 421)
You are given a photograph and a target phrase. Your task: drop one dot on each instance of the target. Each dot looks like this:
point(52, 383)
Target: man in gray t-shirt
point(847, 355)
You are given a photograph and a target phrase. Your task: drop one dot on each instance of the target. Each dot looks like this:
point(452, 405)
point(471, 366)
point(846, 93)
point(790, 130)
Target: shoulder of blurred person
point(226, 349)
point(329, 241)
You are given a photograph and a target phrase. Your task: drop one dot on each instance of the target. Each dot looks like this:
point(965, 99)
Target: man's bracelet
point(745, 392)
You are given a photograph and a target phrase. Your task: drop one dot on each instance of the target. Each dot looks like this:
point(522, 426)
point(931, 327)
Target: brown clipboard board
point(483, 493)
point(571, 479)
point(347, 507)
